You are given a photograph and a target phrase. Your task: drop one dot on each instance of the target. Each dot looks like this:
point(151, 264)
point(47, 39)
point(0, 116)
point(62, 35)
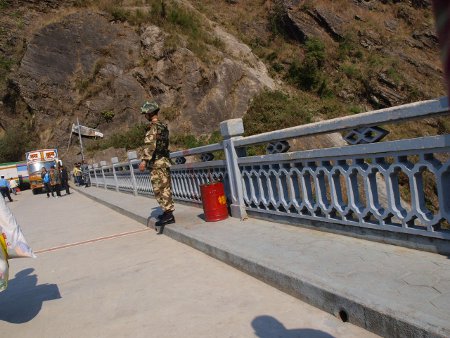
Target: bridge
point(394, 193)
point(104, 273)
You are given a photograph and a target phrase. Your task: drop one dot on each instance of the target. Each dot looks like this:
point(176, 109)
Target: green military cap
point(149, 107)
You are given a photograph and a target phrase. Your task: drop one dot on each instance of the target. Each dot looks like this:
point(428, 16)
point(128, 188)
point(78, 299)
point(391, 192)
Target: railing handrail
point(385, 148)
point(395, 114)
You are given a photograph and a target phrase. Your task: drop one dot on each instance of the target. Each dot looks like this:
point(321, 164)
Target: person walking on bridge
point(13, 185)
point(64, 179)
point(55, 181)
point(155, 157)
point(4, 188)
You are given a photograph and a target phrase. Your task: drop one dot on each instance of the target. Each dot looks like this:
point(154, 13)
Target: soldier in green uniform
point(155, 157)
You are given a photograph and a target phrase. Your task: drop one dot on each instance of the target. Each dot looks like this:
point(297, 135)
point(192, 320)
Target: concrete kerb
point(371, 317)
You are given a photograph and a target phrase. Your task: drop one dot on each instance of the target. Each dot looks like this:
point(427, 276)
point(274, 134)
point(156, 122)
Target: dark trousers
point(48, 189)
point(65, 185)
point(5, 193)
point(57, 188)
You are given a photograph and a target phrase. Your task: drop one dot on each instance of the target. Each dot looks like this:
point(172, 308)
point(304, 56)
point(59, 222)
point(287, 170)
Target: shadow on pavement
point(269, 327)
point(23, 298)
point(155, 213)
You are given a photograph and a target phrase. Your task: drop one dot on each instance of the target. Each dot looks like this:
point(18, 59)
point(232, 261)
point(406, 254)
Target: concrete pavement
point(101, 274)
point(390, 290)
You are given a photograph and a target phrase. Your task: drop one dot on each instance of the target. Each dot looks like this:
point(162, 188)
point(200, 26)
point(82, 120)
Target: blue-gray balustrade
point(355, 185)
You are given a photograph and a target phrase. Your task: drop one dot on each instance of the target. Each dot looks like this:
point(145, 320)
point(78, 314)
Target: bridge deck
point(101, 274)
point(390, 290)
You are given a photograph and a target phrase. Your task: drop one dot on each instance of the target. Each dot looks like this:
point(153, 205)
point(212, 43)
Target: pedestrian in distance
point(85, 179)
point(13, 185)
point(64, 179)
point(156, 158)
point(4, 188)
point(45, 175)
point(55, 181)
point(77, 174)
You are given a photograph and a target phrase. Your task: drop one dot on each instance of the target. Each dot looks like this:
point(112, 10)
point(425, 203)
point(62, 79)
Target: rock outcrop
point(85, 65)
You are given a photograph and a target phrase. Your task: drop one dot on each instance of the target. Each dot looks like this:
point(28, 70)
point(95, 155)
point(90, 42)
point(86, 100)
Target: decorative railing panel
point(347, 189)
point(99, 179)
point(186, 179)
point(144, 187)
point(110, 182)
point(124, 178)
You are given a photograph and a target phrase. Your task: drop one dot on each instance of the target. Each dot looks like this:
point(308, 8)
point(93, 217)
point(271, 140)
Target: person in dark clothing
point(55, 181)
point(46, 181)
point(64, 179)
point(4, 188)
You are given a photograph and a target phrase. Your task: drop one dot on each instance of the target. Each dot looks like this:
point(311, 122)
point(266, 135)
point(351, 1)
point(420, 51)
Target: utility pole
point(81, 142)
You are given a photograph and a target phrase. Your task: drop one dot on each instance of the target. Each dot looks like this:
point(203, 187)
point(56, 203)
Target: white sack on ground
point(16, 244)
point(4, 269)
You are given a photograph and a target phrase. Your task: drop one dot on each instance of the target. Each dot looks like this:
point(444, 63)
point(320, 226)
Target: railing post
point(231, 130)
point(103, 164)
point(95, 165)
point(115, 160)
point(89, 172)
point(132, 155)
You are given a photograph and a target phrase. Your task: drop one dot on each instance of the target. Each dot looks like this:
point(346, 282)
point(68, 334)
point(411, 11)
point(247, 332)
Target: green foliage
point(394, 74)
point(350, 70)
point(277, 67)
point(272, 110)
point(443, 126)
point(277, 19)
point(108, 115)
point(324, 91)
point(81, 3)
point(5, 67)
point(308, 75)
point(355, 109)
point(271, 57)
point(5, 64)
point(82, 84)
point(315, 49)
point(17, 140)
point(348, 48)
point(4, 4)
point(119, 14)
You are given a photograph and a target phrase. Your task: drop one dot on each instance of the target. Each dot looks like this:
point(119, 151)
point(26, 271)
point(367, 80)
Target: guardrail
point(366, 184)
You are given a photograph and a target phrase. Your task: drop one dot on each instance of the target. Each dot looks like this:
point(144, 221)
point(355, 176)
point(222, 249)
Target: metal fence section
point(384, 185)
point(359, 186)
point(186, 181)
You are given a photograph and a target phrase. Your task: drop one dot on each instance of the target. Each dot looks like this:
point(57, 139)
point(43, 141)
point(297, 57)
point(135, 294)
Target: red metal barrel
point(214, 201)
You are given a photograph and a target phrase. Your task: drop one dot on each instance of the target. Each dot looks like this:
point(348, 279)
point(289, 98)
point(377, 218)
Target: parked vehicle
point(36, 160)
point(17, 171)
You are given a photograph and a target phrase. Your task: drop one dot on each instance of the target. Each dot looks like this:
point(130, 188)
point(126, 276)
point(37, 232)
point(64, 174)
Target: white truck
point(15, 170)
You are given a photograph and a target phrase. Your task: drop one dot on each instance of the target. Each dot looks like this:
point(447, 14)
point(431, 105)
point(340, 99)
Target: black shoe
point(161, 215)
point(166, 218)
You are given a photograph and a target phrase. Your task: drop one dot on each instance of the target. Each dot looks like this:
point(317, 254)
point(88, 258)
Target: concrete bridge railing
point(369, 184)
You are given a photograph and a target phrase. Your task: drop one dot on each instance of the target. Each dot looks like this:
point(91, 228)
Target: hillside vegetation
point(275, 63)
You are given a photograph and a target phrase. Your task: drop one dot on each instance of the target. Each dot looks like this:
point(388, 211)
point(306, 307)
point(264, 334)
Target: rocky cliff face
point(85, 65)
point(63, 60)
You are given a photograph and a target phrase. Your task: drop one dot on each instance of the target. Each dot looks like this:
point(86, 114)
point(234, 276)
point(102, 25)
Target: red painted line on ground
point(91, 241)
